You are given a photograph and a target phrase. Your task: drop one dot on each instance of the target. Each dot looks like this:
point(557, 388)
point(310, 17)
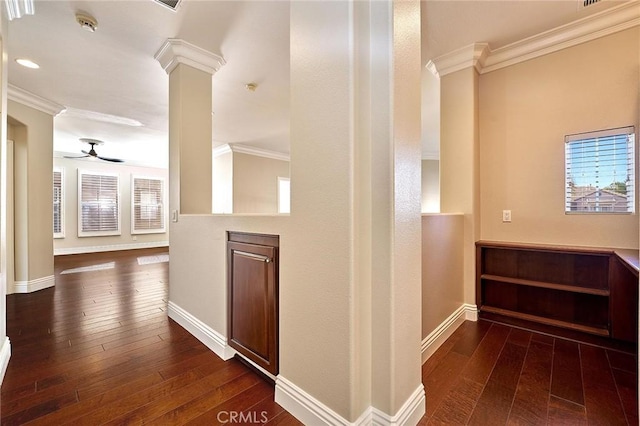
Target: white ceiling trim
point(221, 150)
point(176, 51)
point(431, 155)
point(244, 149)
point(25, 98)
point(602, 24)
point(485, 60)
point(472, 55)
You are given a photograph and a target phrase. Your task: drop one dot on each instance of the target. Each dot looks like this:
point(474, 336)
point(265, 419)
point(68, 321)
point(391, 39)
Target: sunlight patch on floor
point(147, 260)
point(99, 267)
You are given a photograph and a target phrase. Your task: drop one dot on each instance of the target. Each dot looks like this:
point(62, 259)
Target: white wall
point(71, 243)
point(255, 183)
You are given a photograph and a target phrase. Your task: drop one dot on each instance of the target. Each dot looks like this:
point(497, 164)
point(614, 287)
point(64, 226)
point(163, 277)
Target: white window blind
point(148, 205)
point(99, 206)
point(58, 200)
point(600, 172)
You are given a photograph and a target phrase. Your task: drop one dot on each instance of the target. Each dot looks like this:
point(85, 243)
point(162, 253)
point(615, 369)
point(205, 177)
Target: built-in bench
point(586, 290)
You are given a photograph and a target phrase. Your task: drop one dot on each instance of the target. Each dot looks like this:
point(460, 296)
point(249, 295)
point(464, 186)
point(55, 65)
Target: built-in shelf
point(599, 331)
point(542, 284)
point(589, 290)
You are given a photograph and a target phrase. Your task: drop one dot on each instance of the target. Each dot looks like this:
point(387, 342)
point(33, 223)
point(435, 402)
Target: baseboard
point(5, 354)
point(34, 285)
point(310, 411)
point(112, 247)
point(409, 414)
point(303, 406)
point(438, 336)
point(201, 331)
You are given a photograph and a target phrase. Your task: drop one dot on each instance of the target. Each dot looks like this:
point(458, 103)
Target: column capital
point(176, 51)
point(472, 55)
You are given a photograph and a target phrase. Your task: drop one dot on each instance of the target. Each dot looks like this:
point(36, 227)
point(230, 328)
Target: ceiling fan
point(92, 152)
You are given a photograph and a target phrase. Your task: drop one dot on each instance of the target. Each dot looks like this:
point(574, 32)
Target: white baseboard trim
point(113, 247)
point(34, 285)
point(438, 336)
point(310, 411)
point(409, 414)
point(5, 354)
point(201, 331)
point(303, 406)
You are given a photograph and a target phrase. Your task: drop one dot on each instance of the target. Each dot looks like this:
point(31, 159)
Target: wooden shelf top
point(541, 284)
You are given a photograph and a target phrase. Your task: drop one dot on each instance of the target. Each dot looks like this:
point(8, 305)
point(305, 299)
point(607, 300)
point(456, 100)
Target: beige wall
point(442, 269)
point(71, 243)
point(525, 112)
point(430, 186)
point(34, 195)
point(350, 250)
point(255, 183)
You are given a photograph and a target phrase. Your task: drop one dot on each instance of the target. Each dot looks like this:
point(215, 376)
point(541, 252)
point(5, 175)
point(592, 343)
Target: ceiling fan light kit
point(92, 152)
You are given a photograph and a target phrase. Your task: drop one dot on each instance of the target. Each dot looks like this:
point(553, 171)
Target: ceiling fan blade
point(80, 156)
point(113, 160)
point(85, 152)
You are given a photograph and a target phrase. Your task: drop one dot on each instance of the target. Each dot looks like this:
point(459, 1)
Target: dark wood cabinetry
point(586, 290)
point(253, 297)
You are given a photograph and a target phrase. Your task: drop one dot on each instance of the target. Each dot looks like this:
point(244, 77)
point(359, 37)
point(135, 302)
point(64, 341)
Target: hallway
point(99, 349)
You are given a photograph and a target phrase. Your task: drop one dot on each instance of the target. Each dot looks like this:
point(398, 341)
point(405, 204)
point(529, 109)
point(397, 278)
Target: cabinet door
point(252, 303)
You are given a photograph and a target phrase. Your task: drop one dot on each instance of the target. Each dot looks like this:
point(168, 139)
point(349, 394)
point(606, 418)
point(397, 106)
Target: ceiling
point(113, 71)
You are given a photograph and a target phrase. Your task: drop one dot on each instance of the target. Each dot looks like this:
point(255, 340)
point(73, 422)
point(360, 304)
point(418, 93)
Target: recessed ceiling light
point(27, 63)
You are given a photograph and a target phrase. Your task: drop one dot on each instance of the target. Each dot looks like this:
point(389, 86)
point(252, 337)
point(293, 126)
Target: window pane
point(600, 173)
point(99, 209)
point(148, 208)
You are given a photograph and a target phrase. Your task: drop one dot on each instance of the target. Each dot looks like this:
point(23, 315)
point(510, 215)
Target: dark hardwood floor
point(99, 349)
point(492, 374)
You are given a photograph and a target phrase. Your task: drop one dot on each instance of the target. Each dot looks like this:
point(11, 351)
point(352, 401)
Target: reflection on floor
point(148, 260)
point(90, 268)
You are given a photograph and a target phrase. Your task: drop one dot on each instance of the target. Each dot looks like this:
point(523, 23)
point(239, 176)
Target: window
point(600, 172)
point(58, 200)
point(147, 201)
point(99, 204)
point(284, 195)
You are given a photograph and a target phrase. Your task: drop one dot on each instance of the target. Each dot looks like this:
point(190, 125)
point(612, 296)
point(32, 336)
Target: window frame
point(81, 232)
point(284, 179)
point(163, 204)
point(630, 158)
point(62, 215)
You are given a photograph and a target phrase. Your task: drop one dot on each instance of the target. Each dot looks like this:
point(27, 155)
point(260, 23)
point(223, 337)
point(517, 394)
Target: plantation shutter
point(99, 204)
point(57, 204)
point(148, 206)
point(600, 172)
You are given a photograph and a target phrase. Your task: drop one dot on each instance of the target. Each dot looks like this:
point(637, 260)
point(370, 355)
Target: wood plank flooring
point(492, 374)
point(99, 349)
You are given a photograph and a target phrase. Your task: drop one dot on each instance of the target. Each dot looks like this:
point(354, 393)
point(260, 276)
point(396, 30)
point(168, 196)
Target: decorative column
point(459, 146)
point(190, 71)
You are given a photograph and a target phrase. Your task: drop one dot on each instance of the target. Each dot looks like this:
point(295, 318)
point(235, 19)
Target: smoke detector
point(87, 22)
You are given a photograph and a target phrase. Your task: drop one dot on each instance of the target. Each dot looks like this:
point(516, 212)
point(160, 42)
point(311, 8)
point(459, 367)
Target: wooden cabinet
point(253, 297)
point(586, 290)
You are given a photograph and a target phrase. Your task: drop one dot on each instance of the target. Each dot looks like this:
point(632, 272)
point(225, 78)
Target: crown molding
point(431, 155)
point(610, 21)
point(25, 98)
point(221, 150)
point(472, 55)
point(176, 51)
point(249, 150)
point(592, 27)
